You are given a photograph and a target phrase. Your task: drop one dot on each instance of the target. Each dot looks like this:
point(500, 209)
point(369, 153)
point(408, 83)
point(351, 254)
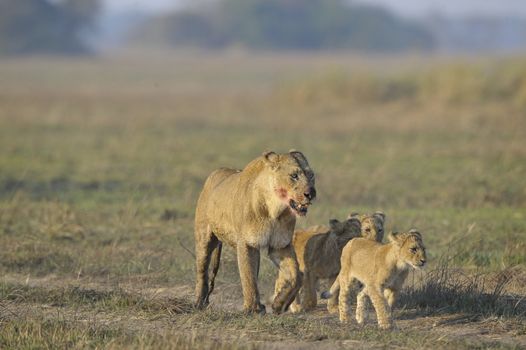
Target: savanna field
point(102, 160)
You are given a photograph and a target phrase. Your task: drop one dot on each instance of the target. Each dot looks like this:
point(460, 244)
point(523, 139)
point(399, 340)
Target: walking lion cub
point(318, 252)
point(319, 249)
point(381, 268)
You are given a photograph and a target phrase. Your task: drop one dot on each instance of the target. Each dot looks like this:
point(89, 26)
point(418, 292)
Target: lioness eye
point(367, 229)
point(294, 176)
point(413, 250)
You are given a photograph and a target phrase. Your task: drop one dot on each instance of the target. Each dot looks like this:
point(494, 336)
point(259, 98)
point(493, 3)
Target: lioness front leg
point(248, 262)
point(289, 277)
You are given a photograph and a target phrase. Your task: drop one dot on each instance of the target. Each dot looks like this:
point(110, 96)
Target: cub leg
point(361, 306)
point(380, 305)
point(289, 277)
point(205, 242)
point(332, 303)
point(295, 306)
point(309, 301)
point(248, 263)
point(344, 300)
point(390, 295)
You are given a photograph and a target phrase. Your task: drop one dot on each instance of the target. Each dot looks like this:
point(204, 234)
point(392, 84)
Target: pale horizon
point(408, 8)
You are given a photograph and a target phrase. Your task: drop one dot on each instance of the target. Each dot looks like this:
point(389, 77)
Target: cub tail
point(335, 288)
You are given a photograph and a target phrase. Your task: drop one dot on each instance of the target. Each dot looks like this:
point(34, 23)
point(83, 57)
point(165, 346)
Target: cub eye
point(413, 250)
point(294, 177)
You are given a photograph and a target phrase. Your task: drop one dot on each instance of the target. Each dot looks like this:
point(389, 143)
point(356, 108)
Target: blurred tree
point(290, 24)
point(41, 26)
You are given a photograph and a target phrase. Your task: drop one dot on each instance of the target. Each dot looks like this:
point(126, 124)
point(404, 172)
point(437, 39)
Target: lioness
point(381, 268)
point(319, 257)
point(253, 209)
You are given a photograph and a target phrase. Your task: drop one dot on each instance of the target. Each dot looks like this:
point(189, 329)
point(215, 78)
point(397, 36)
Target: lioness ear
point(300, 158)
point(380, 215)
point(271, 158)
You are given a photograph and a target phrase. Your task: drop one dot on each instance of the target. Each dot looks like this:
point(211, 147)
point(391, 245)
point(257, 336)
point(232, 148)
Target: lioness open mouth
point(299, 209)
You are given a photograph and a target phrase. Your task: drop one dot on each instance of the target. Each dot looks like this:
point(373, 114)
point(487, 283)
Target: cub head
point(372, 225)
point(345, 230)
point(293, 180)
point(412, 249)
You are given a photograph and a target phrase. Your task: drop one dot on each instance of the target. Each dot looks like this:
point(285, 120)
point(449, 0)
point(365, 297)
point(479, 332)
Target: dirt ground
point(446, 330)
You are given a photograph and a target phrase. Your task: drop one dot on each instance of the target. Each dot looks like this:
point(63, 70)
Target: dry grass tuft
point(446, 289)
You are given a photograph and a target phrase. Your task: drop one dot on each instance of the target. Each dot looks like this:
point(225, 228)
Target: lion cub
point(318, 255)
point(373, 229)
point(381, 268)
point(318, 251)
point(372, 225)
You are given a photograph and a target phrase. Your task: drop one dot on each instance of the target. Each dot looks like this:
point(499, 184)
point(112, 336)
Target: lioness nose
point(310, 194)
point(423, 261)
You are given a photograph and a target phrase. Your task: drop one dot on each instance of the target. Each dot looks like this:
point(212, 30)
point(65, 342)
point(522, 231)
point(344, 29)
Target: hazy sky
point(403, 7)
point(453, 7)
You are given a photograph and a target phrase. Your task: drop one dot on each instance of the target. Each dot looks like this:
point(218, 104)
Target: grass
point(60, 328)
point(102, 160)
point(453, 290)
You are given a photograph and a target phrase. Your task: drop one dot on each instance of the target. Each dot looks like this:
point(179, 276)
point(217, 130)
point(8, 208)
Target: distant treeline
point(291, 24)
point(42, 26)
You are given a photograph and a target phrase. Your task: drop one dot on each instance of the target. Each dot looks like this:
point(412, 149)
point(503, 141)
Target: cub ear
point(415, 233)
point(353, 215)
point(395, 237)
point(271, 158)
point(380, 215)
point(335, 225)
point(352, 223)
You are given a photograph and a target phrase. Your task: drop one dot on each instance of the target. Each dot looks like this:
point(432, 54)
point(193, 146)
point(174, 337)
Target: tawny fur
point(373, 229)
point(319, 250)
point(372, 225)
point(253, 209)
point(382, 269)
point(319, 257)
